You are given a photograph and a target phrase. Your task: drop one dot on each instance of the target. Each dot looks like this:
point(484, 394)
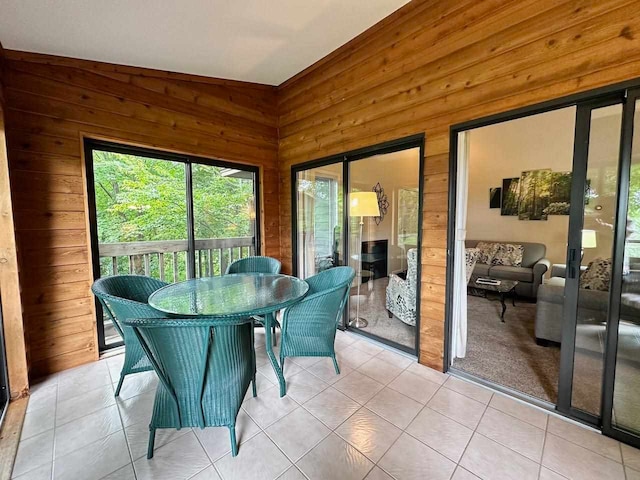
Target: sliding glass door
point(224, 217)
point(621, 409)
point(591, 240)
point(168, 216)
point(319, 219)
point(384, 249)
point(588, 303)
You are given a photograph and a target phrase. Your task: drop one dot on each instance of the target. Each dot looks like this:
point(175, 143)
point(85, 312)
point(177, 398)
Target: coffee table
point(506, 287)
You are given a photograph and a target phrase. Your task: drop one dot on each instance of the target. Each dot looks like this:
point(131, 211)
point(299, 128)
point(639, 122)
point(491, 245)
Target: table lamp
point(588, 240)
point(362, 204)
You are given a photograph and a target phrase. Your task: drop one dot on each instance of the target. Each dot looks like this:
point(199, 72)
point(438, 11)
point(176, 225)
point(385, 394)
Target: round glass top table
point(234, 296)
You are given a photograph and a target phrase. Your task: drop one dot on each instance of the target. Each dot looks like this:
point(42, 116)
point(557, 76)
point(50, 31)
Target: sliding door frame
point(626, 93)
point(580, 167)
point(90, 145)
point(405, 143)
point(574, 100)
point(632, 96)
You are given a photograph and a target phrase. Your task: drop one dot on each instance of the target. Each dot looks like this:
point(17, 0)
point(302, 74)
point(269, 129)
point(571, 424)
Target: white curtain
point(459, 317)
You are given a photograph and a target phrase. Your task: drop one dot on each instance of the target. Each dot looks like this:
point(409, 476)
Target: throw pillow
point(597, 276)
point(487, 251)
point(509, 255)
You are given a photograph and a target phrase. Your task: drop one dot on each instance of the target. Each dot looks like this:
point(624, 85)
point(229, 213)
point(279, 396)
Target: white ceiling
point(264, 41)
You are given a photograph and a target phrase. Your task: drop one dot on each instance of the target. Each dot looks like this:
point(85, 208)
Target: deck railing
point(167, 259)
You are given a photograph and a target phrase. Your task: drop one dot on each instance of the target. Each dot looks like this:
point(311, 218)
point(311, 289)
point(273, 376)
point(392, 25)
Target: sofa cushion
point(487, 251)
point(594, 300)
point(533, 252)
point(551, 293)
point(481, 270)
point(509, 254)
point(505, 272)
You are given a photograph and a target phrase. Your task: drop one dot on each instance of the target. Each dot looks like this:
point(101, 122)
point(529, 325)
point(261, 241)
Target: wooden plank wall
point(52, 102)
point(9, 283)
point(436, 63)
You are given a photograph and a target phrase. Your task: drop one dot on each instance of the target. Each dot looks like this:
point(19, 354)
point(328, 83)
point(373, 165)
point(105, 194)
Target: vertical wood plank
point(161, 265)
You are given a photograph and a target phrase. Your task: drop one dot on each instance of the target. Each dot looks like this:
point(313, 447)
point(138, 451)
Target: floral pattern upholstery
point(509, 255)
point(401, 294)
point(471, 256)
point(486, 252)
point(597, 276)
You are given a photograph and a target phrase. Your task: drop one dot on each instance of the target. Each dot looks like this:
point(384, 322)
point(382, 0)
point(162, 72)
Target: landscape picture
point(559, 194)
point(510, 194)
point(535, 193)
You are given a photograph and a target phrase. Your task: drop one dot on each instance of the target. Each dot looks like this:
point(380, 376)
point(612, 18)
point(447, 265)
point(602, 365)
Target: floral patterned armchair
point(401, 294)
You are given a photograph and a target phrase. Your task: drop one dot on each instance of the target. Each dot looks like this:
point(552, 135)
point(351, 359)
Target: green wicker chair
point(309, 326)
point(122, 297)
point(257, 265)
point(204, 365)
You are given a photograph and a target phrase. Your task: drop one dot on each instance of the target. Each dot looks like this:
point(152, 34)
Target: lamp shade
point(364, 204)
point(589, 239)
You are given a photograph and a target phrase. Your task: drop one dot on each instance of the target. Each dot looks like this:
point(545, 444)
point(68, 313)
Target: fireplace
point(374, 258)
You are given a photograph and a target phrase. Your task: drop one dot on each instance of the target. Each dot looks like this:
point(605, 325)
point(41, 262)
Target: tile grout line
point(420, 441)
point(124, 433)
point(544, 444)
point(360, 406)
point(475, 430)
point(211, 462)
point(293, 462)
point(55, 428)
point(587, 448)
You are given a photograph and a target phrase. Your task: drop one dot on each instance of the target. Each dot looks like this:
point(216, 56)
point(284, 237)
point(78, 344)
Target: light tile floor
point(384, 417)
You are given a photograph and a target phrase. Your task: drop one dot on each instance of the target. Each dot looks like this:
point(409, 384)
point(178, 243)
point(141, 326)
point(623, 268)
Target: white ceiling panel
point(264, 41)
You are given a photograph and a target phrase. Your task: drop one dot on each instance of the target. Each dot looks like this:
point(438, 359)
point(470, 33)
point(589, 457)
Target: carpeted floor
point(372, 308)
point(506, 353)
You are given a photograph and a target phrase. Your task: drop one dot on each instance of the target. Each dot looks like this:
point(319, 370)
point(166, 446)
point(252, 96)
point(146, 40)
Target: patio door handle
point(571, 268)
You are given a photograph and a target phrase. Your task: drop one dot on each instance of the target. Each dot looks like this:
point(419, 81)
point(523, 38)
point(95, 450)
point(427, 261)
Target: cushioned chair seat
point(520, 274)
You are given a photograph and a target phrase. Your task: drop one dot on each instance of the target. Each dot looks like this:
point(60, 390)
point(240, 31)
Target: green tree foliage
point(144, 199)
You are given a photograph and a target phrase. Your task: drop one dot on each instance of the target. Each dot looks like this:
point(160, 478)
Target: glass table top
point(237, 295)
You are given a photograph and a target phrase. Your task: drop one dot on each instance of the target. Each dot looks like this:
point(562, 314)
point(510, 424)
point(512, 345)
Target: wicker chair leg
point(335, 364)
point(234, 444)
point(253, 359)
point(152, 441)
point(282, 364)
point(119, 384)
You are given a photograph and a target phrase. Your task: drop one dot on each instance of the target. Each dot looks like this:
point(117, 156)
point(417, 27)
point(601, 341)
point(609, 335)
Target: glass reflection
point(626, 403)
point(597, 251)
